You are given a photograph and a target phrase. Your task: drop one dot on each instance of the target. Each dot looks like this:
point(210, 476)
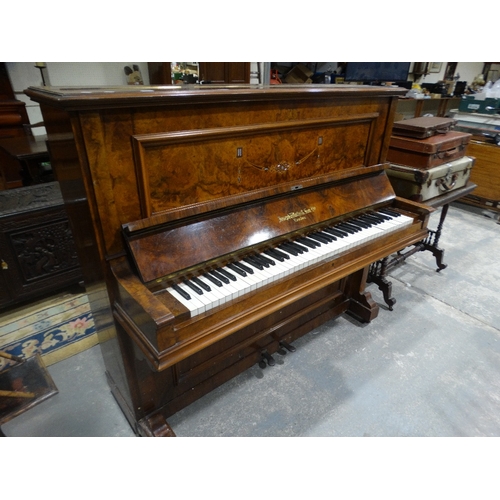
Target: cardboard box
point(299, 74)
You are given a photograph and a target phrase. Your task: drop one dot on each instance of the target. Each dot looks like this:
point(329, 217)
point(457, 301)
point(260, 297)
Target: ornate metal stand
point(379, 270)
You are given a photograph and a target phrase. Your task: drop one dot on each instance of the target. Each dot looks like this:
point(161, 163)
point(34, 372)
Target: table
point(379, 270)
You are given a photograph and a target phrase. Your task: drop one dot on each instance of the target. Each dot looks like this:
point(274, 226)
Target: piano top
point(112, 96)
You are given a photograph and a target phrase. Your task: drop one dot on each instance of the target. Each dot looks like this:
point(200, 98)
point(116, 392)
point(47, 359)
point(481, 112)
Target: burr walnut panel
point(186, 167)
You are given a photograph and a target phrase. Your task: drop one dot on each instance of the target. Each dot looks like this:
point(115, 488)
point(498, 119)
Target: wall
point(25, 74)
point(467, 71)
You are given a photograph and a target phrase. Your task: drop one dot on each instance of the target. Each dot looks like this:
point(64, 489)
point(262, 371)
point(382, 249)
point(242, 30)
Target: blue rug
point(56, 329)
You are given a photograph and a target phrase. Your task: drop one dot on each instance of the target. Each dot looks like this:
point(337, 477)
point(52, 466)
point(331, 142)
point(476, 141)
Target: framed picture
point(434, 67)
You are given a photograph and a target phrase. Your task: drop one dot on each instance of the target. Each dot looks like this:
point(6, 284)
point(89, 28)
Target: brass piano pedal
point(287, 346)
point(266, 357)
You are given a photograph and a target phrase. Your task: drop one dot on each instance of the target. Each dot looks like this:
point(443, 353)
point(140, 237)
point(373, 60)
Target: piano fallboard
point(165, 250)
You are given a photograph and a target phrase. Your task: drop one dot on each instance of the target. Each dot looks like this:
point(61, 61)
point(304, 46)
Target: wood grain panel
point(196, 166)
point(486, 174)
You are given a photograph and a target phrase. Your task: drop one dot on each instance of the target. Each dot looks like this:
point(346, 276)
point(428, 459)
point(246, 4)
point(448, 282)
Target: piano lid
point(87, 97)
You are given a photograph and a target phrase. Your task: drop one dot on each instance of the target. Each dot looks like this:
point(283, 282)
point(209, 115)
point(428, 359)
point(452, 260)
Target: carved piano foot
point(266, 360)
point(438, 255)
point(363, 307)
point(155, 426)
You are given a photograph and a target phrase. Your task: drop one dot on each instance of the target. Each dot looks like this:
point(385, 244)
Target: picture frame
point(434, 67)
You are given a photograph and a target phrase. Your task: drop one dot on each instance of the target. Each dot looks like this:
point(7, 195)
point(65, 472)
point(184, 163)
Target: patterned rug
point(56, 329)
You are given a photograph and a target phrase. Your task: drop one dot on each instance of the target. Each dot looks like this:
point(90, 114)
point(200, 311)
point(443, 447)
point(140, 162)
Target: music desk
point(20, 158)
point(380, 269)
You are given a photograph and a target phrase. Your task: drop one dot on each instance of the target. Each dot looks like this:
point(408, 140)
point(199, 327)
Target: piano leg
point(376, 275)
point(432, 241)
point(361, 305)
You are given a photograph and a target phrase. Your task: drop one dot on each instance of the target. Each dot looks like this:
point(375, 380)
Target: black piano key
point(193, 287)
point(213, 279)
point(376, 215)
point(388, 211)
point(380, 217)
point(252, 262)
point(346, 228)
point(353, 226)
point(201, 284)
point(319, 238)
point(227, 274)
point(289, 249)
point(243, 267)
point(336, 232)
point(266, 261)
point(307, 242)
point(237, 270)
point(300, 248)
point(182, 292)
point(370, 219)
point(280, 253)
point(330, 233)
point(324, 234)
point(280, 257)
point(362, 223)
point(220, 276)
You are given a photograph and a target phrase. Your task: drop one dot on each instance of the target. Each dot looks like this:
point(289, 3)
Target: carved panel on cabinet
point(37, 251)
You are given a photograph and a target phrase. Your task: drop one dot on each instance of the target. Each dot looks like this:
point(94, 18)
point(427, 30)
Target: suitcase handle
point(449, 152)
point(443, 186)
point(442, 130)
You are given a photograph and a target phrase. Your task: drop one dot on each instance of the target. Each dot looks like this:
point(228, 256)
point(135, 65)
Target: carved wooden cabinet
point(37, 251)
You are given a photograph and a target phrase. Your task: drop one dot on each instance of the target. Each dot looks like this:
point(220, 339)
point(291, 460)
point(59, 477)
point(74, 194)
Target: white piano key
point(194, 307)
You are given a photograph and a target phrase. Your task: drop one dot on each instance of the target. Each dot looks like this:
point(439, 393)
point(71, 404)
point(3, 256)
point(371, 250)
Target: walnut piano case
point(168, 186)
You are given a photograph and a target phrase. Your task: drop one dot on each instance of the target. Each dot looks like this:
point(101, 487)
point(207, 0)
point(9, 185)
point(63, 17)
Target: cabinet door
point(160, 73)
point(238, 72)
point(225, 72)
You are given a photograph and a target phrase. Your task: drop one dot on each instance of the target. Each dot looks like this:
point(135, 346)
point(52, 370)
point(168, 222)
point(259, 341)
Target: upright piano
point(223, 222)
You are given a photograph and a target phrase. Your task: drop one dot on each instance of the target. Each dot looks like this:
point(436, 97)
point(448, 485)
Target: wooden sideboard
point(37, 251)
point(486, 174)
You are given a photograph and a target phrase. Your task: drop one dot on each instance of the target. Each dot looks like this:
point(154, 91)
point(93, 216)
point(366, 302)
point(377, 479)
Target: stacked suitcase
point(428, 158)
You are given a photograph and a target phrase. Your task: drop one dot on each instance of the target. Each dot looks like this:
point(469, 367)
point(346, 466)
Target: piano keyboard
point(218, 286)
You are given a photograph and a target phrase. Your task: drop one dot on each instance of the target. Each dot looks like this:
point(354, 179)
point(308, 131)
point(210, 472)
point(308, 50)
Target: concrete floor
point(430, 367)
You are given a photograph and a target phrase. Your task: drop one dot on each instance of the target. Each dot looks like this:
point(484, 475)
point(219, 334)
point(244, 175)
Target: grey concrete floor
point(430, 367)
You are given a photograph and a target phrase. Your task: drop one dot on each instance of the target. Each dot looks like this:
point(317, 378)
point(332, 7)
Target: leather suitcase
point(430, 152)
point(422, 185)
point(423, 126)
